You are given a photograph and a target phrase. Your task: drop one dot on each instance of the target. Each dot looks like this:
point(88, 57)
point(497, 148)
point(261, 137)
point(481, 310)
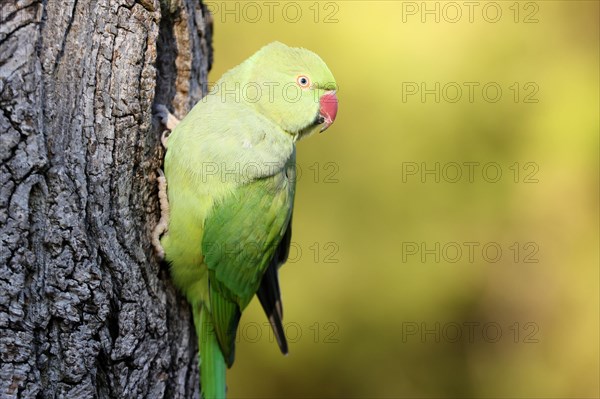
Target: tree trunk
point(85, 308)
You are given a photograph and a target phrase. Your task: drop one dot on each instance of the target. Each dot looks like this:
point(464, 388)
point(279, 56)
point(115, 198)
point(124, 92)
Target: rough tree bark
point(85, 309)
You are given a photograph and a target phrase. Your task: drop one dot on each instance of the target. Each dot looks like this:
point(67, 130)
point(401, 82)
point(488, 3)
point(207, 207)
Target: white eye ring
point(303, 81)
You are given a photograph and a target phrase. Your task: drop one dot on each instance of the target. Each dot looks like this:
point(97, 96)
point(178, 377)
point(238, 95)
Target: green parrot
point(230, 171)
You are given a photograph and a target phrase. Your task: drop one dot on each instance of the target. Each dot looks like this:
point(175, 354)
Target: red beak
point(329, 107)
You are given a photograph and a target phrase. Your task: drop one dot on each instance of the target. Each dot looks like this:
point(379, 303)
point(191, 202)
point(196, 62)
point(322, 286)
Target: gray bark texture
point(86, 310)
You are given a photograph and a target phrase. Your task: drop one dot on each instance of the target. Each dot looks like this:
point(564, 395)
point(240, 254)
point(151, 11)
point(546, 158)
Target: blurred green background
point(382, 295)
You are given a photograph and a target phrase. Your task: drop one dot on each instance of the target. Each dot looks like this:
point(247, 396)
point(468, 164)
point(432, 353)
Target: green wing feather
point(240, 237)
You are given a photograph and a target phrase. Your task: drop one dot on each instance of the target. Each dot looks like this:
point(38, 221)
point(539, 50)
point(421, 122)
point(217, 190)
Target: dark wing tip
point(271, 303)
point(269, 294)
point(277, 326)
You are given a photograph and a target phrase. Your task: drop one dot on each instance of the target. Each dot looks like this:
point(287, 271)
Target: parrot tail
point(211, 361)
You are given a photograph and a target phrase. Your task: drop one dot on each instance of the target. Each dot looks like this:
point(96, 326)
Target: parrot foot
point(165, 117)
point(163, 223)
point(170, 121)
point(164, 137)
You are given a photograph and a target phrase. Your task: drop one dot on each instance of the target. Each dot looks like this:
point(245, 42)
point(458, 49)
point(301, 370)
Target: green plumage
point(229, 168)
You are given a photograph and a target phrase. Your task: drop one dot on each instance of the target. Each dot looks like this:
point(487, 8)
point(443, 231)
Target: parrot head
point(296, 89)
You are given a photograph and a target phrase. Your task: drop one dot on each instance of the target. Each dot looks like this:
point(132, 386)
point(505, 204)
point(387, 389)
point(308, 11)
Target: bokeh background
point(382, 295)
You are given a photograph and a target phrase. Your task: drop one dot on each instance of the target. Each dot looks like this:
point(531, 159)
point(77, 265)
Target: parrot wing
point(241, 237)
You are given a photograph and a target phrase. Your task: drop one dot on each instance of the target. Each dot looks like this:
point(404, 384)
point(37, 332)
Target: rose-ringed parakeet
point(230, 173)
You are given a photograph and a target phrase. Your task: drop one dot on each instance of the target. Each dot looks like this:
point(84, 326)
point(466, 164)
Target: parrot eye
point(303, 81)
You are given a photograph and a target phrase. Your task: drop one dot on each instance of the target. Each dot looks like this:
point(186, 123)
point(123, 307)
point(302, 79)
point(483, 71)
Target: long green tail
point(210, 358)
